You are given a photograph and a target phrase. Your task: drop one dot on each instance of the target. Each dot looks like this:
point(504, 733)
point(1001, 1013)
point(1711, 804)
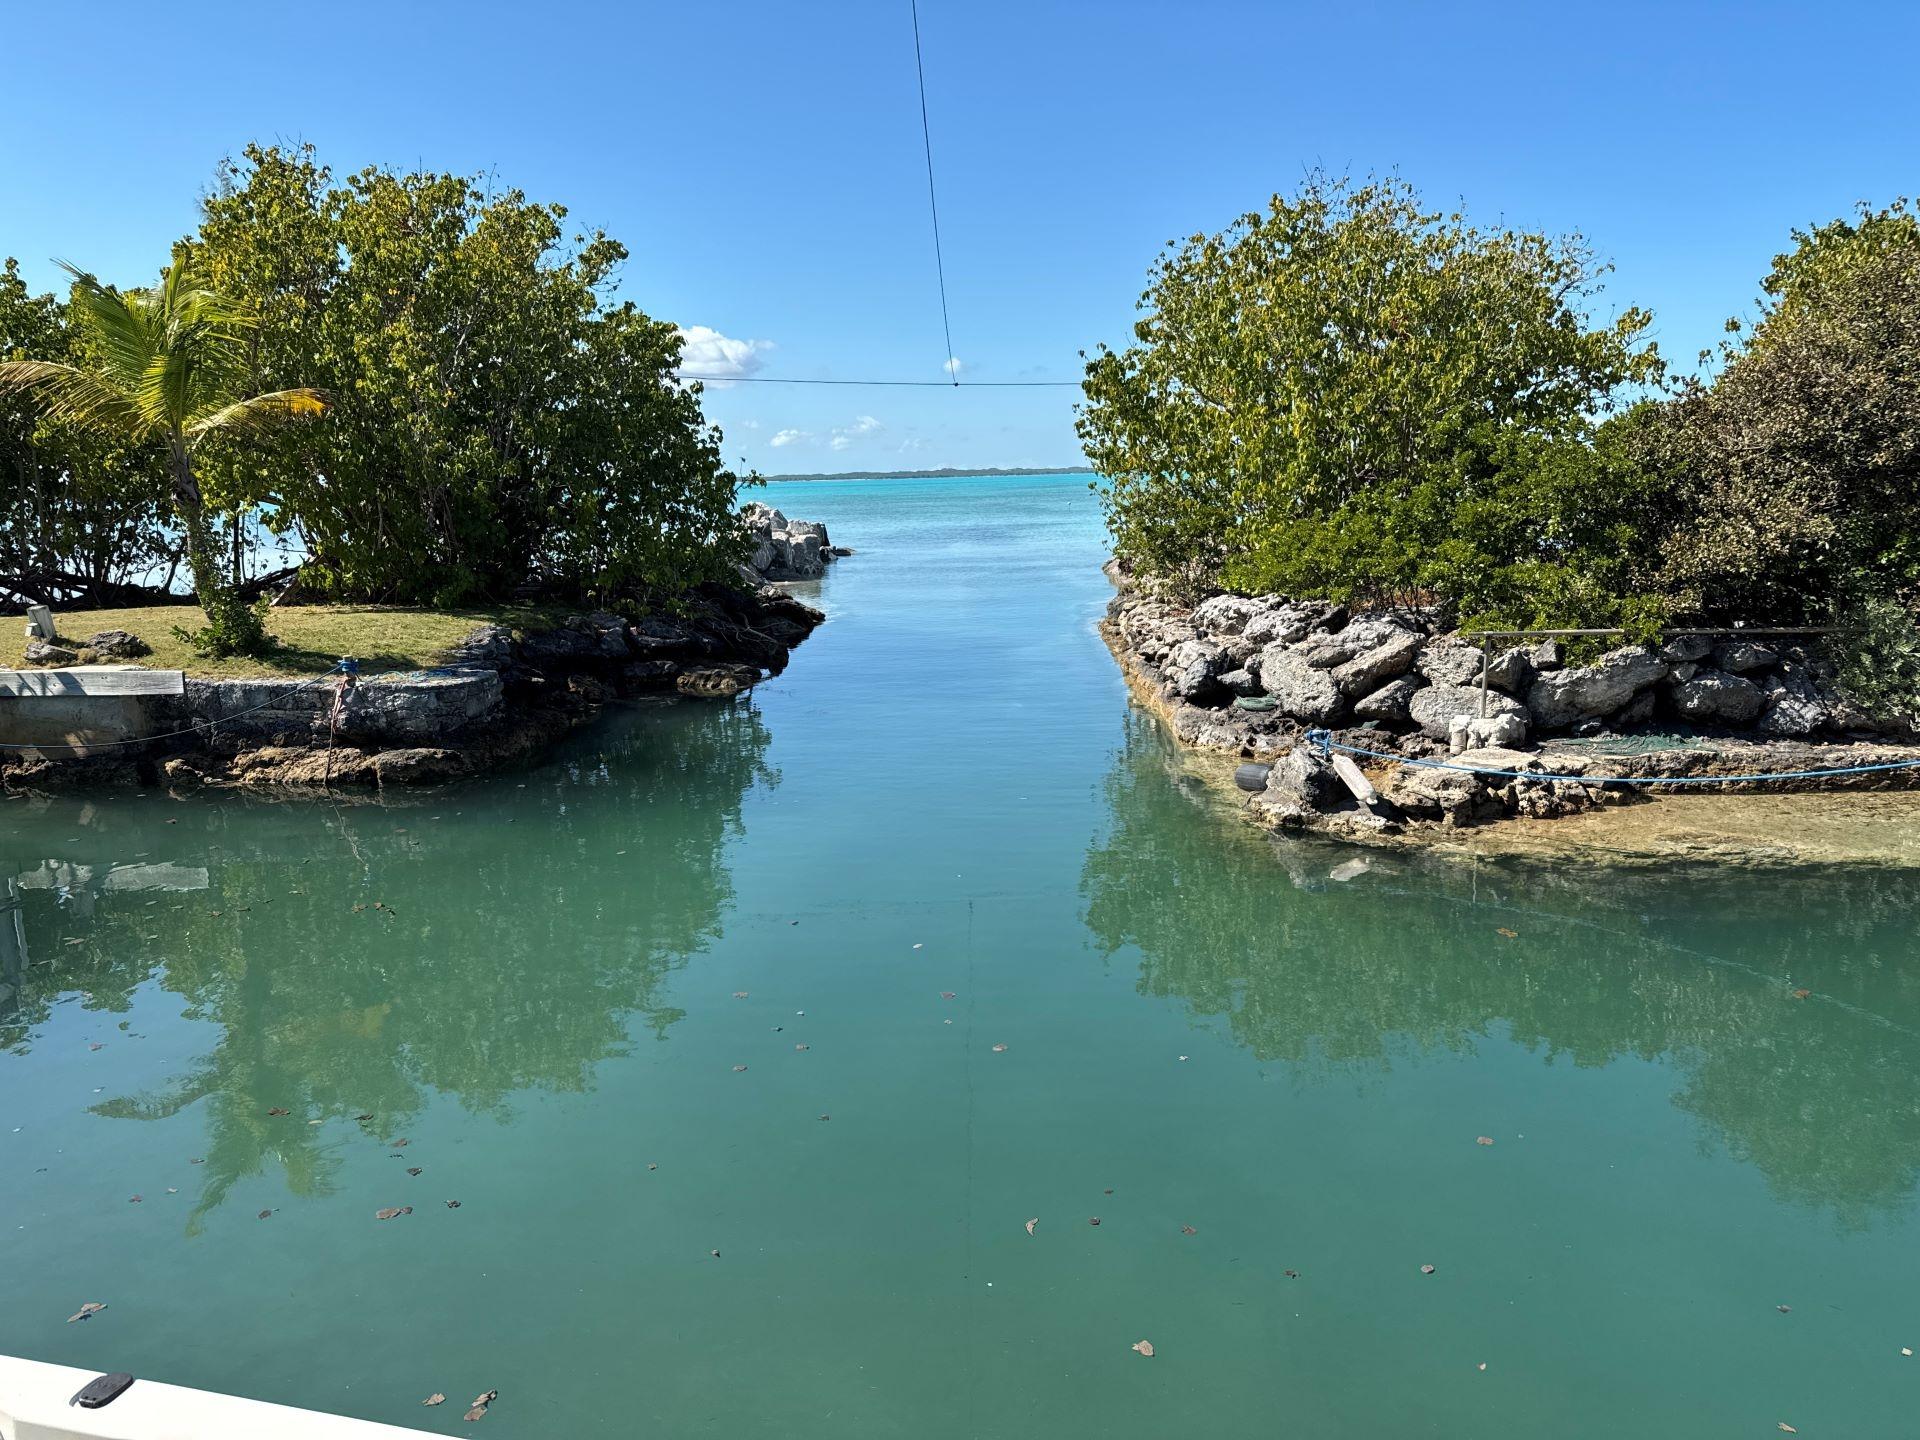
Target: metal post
point(1485, 652)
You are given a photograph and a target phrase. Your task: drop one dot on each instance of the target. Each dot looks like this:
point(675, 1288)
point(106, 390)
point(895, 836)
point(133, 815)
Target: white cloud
point(704, 351)
point(844, 435)
point(789, 437)
point(954, 366)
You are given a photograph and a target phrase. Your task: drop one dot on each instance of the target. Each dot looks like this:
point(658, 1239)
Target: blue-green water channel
point(547, 985)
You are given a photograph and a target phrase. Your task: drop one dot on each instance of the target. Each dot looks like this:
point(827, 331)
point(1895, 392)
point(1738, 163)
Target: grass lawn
point(312, 637)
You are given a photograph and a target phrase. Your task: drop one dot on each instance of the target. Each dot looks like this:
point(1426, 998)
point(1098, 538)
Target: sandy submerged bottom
point(1794, 829)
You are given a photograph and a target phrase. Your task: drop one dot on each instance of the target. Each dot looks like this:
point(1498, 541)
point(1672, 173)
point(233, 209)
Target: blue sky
point(762, 161)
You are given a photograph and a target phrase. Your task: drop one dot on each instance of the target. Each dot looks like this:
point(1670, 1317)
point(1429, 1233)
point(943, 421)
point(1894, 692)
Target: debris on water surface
point(264, 1215)
point(1031, 1223)
point(803, 1047)
point(714, 1253)
point(401, 1141)
point(999, 1049)
point(453, 1204)
point(1481, 1366)
point(1183, 1057)
point(946, 994)
point(1144, 1347)
point(1907, 1351)
point(363, 1118)
point(1801, 994)
point(486, 1397)
point(1107, 1191)
point(1093, 1220)
point(97, 1045)
point(276, 1110)
point(1483, 1139)
point(652, 1166)
point(393, 1212)
point(1426, 1269)
point(826, 1117)
point(916, 944)
point(1510, 934)
point(478, 1412)
point(435, 1399)
point(740, 994)
point(413, 1169)
point(1784, 1309)
point(86, 1311)
point(1188, 1230)
point(1291, 1274)
point(738, 1068)
point(196, 1160)
point(316, 1122)
point(133, 1199)
point(1788, 1428)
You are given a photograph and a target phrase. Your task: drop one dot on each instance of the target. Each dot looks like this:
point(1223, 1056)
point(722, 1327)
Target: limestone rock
point(118, 645)
point(489, 647)
point(1305, 778)
point(1466, 733)
point(1370, 669)
point(1241, 682)
point(1192, 670)
point(1566, 697)
point(716, 682)
point(787, 549)
point(423, 766)
point(1686, 649)
point(1450, 796)
point(1790, 715)
point(45, 652)
point(1225, 614)
point(1740, 656)
point(1547, 655)
point(581, 640)
point(1299, 690)
point(1434, 708)
point(424, 707)
point(1713, 697)
point(1450, 662)
point(1511, 671)
point(1389, 704)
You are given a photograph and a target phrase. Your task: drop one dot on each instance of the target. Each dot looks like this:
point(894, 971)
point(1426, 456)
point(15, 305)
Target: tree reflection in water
point(1692, 967)
point(358, 959)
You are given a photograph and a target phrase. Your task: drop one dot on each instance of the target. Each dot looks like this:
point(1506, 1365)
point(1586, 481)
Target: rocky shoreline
point(499, 697)
point(1251, 677)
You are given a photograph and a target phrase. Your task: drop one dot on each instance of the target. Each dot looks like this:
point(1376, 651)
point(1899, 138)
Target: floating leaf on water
point(316, 1122)
point(172, 1191)
point(276, 1110)
point(413, 1170)
point(1291, 1274)
point(1107, 1191)
point(1788, 1428)
point(393, 1212)
point(946, 995)
point(714, 1253)
point(358, 908)
point(1483, 1139)
point(97, 1045)
point(486, 1397)
point(826, 1117)
point(1784, 1309)
point(738, 1068)
point(1801, 994)
point(86, 1311)
point(1482, 1365)
point(133, 1199)
point(435, 1399)
point(740, 994)
point(1907, 1351)
point(264, 1215)
point(1031, 1223)
point(916, 944)
point(999, 1049)
point(196, 1160)
point(478, 1412)
point(1510, 934)
point(401, 1141)
point(1093, 1220)
point(803, 1047)
point(652, 1166)
point(453, 1204)
point(364, 1118)
point(1144, 1347)
point(1426, 1269)
point(1188, 1230)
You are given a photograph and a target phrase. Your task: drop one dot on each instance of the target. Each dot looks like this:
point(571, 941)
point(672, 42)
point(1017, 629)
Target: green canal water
point(930, 938)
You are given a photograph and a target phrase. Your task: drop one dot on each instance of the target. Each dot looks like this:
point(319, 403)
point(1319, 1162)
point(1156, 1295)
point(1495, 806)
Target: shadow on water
point(355, 960)
point(1695, 969)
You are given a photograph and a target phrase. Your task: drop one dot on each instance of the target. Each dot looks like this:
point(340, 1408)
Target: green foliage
point(500, 424)
point(80, 513)
point(1880, 658)
point(1352, 396)
point(162, 369)
point(1800, 461)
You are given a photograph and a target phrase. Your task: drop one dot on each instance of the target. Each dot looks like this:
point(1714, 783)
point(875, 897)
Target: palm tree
point(168, 368)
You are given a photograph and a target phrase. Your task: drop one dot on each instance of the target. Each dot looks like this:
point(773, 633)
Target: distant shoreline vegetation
point(947, 474)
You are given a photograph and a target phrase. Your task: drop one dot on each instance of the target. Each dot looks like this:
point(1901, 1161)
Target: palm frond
point(121, 324)
point(258, 415)
point(69, 395)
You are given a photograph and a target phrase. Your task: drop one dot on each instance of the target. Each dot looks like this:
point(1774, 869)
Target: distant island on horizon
point(945, 474)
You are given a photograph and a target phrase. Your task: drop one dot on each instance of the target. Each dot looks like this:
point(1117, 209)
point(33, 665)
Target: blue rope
point(345, 667)
point(1327, 743)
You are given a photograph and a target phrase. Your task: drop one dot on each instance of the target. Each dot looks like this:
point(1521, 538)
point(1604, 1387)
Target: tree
point(1350, 395)
point(164, 370)
point(500, 424)
point(1800, 460)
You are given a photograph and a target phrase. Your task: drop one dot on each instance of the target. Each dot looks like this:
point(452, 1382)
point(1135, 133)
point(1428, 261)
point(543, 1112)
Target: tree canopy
point(500, 424)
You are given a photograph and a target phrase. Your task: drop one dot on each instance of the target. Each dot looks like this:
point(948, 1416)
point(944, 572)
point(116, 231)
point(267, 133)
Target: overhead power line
point(933, 204)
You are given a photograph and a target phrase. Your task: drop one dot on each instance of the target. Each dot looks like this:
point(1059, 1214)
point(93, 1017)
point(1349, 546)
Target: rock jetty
point(1250, 676)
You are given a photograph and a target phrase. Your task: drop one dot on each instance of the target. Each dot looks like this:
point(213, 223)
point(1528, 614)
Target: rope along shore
point(1324, 739)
